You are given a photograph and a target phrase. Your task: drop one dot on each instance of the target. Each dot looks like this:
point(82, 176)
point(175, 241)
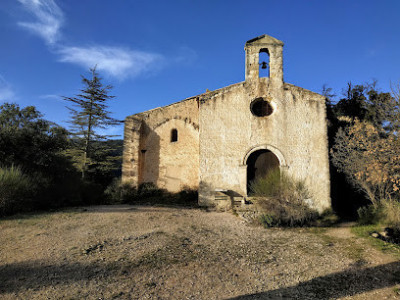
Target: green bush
point(371, 214)
point(120, 192)
point(16, 191)
point(187, 196)
point(268, 220)
point(148, 190)
point(386, 213)
point(148, 193)
point(123, 192)
point(91, 193)
point(327, 218)
point(282, 200)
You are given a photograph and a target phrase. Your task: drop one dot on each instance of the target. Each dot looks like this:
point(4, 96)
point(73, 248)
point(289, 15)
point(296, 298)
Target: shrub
point(60, 192)
point(16, 191)
point(391, 213)
point(371, 214)
point(187, 196)
point(283, 200)
point(91, 193)
point(124, 192)
point(148, 190)
point(268, 220)
point(386, 213)
point(327, 218)
point(268, 186)
point(118, 192)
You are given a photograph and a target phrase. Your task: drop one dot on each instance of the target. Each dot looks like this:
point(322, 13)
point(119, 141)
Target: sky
point(158, 52)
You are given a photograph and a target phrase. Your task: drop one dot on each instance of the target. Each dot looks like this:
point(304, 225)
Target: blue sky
point(158, 52)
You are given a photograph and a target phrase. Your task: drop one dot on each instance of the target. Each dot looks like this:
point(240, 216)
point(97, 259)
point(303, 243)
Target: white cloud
point(6, 92)
point(51, 97)
point(49, 19)
point(186, 55)
point(115, 61)
point(118, 62)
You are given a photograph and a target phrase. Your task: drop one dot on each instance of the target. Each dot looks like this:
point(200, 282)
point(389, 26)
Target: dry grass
point(391, 209)
point(132, 252)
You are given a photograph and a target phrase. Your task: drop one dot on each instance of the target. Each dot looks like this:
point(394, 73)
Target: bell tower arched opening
point(263, 62)
point(259, 164)
point(266, 49)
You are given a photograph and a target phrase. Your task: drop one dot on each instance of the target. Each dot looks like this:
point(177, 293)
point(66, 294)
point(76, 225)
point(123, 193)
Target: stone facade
point(228, 137)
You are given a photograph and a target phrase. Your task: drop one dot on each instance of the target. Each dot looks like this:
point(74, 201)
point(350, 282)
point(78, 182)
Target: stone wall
point(149, 154)
point(217, 133)
point(295, 132)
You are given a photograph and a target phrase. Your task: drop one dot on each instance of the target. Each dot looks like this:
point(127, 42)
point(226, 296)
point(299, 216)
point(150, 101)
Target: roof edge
point(264, 39)
point(208, 94)
point(290, 85)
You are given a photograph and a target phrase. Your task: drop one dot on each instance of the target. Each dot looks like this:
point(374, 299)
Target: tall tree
point(370, 160)
point(32, 153)
point(354, 104)
point(89, 113)
point(29, 141)
point(366, 103)
point(367, 149)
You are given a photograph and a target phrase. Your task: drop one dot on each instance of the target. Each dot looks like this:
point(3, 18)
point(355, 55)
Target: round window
point(261, 108)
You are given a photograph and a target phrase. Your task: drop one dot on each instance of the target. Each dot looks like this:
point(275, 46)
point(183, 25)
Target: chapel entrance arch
point(259, 163)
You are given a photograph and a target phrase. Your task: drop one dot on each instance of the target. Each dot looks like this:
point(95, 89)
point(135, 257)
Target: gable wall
point(295, 132)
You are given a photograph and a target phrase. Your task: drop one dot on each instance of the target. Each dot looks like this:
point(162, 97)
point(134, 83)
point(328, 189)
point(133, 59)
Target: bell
point(263, 65)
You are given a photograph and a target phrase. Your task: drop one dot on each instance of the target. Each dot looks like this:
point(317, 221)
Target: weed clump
point(386, 212)
point(16, 190)
point(391, 212)
point(119, 192)
point(384, 215)
point(371, 214)
point(282, 200)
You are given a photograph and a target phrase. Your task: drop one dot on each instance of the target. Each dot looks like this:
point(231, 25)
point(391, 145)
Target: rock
point(384, 234)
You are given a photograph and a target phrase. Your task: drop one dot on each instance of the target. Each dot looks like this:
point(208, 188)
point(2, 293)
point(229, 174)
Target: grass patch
point(317, 230)
point(365, 231)
point(355, 253)
point(350, 250)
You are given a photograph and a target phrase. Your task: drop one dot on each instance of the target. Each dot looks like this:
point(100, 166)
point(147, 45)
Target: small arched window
point(174, 135)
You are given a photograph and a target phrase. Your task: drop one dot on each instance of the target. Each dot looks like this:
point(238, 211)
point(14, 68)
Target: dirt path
point(127, 252)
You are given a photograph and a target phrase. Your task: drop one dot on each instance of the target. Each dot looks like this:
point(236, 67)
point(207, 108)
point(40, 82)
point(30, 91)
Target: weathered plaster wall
point(217, 132)
point(149, 154)
point(295, 132)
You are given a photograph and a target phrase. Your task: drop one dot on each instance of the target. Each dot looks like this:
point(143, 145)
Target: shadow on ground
point(32, 275)
point(117, 208)
point(21, 276)
point(343, 284)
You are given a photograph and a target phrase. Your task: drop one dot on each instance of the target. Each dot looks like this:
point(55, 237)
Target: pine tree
point(89, 113)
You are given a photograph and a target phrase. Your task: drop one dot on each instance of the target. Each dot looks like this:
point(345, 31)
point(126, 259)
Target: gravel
point(140, 252)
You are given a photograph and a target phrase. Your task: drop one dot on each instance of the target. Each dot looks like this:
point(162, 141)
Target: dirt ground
point(139, 252)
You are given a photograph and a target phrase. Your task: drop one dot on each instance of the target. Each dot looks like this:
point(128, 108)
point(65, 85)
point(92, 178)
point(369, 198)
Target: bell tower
point(273, 48)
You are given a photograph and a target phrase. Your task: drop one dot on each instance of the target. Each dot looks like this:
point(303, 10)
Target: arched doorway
point(259, 163)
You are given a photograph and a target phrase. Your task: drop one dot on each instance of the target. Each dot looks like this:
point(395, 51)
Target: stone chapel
point(219, 141)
